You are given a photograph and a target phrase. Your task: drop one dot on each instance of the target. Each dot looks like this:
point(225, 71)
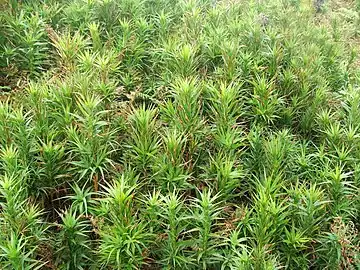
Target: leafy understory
point(185, 134)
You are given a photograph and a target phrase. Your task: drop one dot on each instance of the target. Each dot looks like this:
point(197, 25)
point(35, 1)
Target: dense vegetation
point(189, 134)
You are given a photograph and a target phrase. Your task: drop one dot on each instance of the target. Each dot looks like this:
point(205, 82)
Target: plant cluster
point(184, 134)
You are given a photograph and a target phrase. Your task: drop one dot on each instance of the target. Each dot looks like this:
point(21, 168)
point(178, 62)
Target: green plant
point(236, 254)
point(184, 114)
point(269, 219)
point(264, 101)
point(68, 46)
point(173, 246)
point(27, 45)
point(14, 256)
point(124, 239)
point(206, 217)
point(73, 242)
point(82, 203)
point(169, 168)
point(225, 175)
point(51, 163)
point(92, 143)
point(143, 143)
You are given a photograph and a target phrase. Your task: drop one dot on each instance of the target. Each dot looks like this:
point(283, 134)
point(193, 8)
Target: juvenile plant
point(206, 215)
point(74, 248)
point(91, 142)
point(173, 247)
point(123, 237)
point(143, 141)
point(185, 114)
point(26, 34)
